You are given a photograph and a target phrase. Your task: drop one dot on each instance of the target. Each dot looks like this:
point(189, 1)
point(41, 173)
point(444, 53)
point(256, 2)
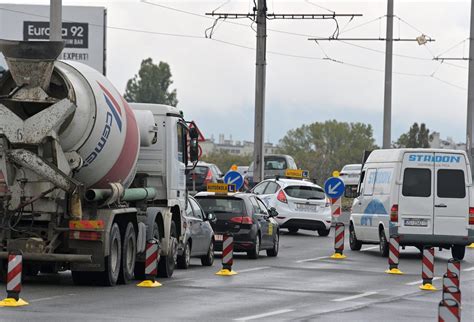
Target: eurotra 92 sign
point(83, 30)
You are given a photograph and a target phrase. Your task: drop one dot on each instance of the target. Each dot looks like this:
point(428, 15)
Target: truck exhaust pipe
point(31, 63)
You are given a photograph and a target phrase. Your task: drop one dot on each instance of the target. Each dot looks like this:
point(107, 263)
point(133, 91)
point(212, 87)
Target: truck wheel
point(167, 263)
point(354, 243)
point(185, 259)
point(110, 275)
point(208, 259)
point(129, 255)
point(458, 252)
point(383, 246)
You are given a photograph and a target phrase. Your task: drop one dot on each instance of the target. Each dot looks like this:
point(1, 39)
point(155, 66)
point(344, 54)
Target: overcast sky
point(215, 81)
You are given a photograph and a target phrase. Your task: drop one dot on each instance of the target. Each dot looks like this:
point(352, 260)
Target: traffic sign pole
point(334, 188)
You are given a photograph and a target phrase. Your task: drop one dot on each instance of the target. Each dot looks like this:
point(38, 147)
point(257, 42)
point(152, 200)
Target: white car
point(300, 204)
point(350, 174)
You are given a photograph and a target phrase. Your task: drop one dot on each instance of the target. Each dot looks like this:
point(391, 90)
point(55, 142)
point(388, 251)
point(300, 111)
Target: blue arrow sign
point(233, 177)
point(334, 187)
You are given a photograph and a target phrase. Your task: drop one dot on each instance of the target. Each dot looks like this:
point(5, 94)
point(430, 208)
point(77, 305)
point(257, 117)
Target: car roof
point(213, 194)
point(293, 182)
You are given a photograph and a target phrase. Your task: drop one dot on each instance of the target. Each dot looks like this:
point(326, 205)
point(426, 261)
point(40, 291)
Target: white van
point(423, 195)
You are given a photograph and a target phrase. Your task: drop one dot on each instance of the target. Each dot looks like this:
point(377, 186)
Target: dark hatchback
point(204, 173)
point(247, 218)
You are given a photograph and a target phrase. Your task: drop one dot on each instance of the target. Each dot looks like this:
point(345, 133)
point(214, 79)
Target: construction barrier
point(448, 311)
point(152, 256)
point(394, 256)
point(454, 268)
point(339, 241)
point(14, 275)
point(427, 271)
point(227, 256)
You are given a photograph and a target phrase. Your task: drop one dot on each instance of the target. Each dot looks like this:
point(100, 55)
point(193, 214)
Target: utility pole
point(470, 94)
point(260, 16)
point(260, 80)
point(387, 99)
point(55, 20)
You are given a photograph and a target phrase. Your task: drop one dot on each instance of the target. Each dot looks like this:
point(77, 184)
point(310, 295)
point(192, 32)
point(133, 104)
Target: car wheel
point(458, 252)
point(324, 232)
point(354, 243)
point(129, 255)
point(273, 252)
point(254, 253)
point(292, 230)
point(185, 259)
point(167, 263)
point(383, 246)
point(208, 259)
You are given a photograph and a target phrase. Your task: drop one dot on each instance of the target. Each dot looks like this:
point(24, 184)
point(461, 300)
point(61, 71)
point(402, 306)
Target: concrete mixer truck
point(86, 179)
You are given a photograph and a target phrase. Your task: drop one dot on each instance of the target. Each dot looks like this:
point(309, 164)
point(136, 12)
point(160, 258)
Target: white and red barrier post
point(450, 290)
point(454, 269)
point(448, 311)
point(14, 276)
point(339, 229)
point(427, 271)
point(152, 256)
point(394, 255)
point(227, 256)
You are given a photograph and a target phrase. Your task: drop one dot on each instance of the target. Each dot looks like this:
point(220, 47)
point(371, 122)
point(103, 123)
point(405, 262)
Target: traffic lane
point(277, 288)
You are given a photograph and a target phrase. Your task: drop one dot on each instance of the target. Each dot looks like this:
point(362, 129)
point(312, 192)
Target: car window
point(256, 208)
point(189, 210)
point(451, 184)
point(197, 209)
point(369, 182)
point(275, 163)
point(356, 167)
point(292, 164)
point(222, 205)
point(416, 182)
point(260, 188)
point(263, 208)
point(271, 188)
point(305, 192)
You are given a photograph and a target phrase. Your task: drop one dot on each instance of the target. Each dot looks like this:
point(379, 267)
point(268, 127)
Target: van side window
point(369, 182)
point(451, 184)
point(416, 182)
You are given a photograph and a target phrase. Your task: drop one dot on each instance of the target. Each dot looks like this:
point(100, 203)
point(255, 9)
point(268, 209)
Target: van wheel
point(383, 243)
point(354, 243)
point(458, 251)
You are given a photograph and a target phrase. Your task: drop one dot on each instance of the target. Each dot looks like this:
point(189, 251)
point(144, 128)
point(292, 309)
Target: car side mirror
point(273, 212)
point(211, 217)
point(193, 145)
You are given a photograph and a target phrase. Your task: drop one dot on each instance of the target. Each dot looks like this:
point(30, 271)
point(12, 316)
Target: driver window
point(263, 208)
point(258, 190)
point(197, 210)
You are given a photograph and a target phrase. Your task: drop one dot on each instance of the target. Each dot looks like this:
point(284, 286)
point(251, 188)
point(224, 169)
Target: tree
point(416, 137)
point(151, 85)
point(224, 160)
point(322, 148)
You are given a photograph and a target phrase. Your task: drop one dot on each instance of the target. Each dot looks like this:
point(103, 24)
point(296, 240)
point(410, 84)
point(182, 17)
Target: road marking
point(354, 297)
point(253, 269)
point(421, 281)
point(312, 259)
point(469, 269)
point(369, 248)
point(264, 315)
point(50, 298)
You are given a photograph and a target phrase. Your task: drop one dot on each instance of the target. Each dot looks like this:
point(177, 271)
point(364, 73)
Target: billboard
point(83, 30)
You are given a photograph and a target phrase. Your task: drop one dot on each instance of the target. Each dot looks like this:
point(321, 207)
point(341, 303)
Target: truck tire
point(354, 243)
point(185, 260)
point(208, 259)
point(458, 252)
point(110, 275)
point(129, 254)
point(167, 264)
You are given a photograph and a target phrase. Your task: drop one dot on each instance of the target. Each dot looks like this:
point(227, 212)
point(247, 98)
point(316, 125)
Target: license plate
point(305, 207)
point(416, 222)
point(219, 237)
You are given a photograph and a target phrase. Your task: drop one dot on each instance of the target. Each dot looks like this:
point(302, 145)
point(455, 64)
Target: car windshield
point(222, 205)
point(275, 163)
point(305, 192)
point(354, 167)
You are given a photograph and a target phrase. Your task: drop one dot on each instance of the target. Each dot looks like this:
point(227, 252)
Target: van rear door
point(415, 209)
point(451, 203)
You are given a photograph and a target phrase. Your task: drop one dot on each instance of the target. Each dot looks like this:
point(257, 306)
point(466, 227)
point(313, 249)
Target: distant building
point(437, 143)
point(241, 148)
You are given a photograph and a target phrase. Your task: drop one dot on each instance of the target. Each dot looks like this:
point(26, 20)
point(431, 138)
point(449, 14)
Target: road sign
point(233, 177)
point(221, 188)
point(334, 187)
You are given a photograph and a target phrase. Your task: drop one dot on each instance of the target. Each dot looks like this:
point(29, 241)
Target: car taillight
point(282, 197)
point(208, 178)
point(471, 215)
point(394, 213)
point(242, 220)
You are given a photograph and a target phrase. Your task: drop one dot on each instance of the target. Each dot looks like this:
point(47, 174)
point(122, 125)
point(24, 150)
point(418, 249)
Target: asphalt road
point(302, 283)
